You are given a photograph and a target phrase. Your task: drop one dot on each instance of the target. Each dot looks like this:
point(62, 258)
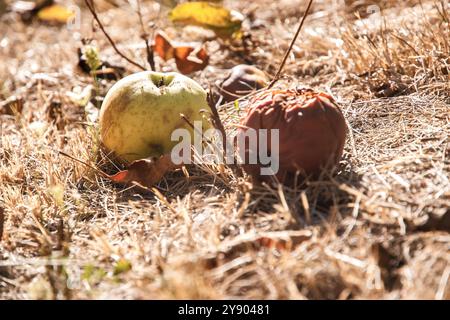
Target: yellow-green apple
point(140, 112)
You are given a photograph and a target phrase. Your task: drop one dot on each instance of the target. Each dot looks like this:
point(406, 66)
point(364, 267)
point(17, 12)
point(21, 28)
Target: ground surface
point(377, 228)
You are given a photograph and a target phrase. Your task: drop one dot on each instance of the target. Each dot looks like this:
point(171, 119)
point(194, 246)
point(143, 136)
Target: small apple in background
point(242, 80)
point(140, 112)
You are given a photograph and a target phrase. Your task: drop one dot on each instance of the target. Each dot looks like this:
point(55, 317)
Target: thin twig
point(218, 124)
point(90, 5)
point(407, 43)
point(277, 75)
point(216, 118)
point(185, 119)
point(144, 36)
point(103, 174)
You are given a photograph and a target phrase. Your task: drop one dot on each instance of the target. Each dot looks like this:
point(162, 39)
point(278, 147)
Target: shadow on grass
point(314, 201)
point(311, 202)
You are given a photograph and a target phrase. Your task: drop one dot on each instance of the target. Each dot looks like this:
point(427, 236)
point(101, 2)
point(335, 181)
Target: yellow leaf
point(223, 21)
point(55, 13)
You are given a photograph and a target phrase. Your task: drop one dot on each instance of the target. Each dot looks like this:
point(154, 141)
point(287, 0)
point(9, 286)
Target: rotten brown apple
point(312, 131)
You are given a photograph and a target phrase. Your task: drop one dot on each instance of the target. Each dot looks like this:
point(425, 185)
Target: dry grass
point(377, 228)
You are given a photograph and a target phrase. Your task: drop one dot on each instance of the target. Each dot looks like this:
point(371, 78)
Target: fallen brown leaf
point(163, 46)
point(145, 172)
point(188, 57)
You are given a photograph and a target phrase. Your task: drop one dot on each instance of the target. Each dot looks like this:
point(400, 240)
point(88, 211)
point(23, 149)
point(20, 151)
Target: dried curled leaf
point(163, 46)
point(55, 14)
point(215, 17)
point(145, 172)
point(188, 57)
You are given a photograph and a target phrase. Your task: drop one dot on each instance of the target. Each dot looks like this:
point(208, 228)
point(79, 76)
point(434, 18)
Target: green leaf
point(208, 15)
point(93, 274)
point(92, 57)
point(122, 266)
point(236, 105)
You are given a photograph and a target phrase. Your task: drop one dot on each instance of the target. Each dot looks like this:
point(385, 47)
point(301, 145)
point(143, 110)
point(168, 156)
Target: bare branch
point(286, 55)
point(90, 5)
point(103, 174)
point(144, 36)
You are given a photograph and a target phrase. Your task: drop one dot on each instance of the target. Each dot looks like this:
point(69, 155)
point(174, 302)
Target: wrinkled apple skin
point(312, 131)
point(140, 112)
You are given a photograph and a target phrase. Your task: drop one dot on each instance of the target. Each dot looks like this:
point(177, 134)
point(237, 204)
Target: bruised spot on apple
point(140, 112)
